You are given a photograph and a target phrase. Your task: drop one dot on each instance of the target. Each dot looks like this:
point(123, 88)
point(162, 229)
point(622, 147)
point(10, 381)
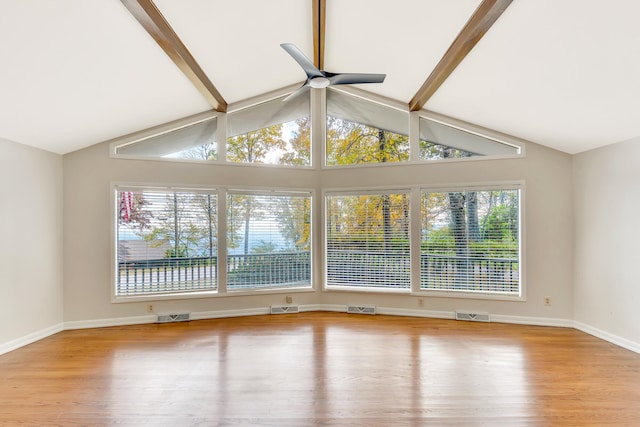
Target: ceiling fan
point(319, 79)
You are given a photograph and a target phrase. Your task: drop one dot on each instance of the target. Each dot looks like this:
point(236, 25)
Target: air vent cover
point(472, 316)
point(177, 317)
point(282, 309)
point(361, 309)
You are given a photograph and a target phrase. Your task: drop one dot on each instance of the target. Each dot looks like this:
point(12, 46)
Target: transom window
point(440, 141)
point(362, 132)
point(196, 140)
point(358, 131)
point(273, 132)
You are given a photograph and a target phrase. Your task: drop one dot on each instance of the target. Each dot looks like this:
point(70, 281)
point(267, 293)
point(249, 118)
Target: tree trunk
point(176, 226)
point(456, 206)
point(472, 216)
point(386, 201)
point(458, 223)
point(247, 222)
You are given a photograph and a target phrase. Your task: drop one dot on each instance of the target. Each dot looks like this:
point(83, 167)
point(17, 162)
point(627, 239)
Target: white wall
point(548, 211)
point(547, 218)
point(607, 248)
point(31, 286)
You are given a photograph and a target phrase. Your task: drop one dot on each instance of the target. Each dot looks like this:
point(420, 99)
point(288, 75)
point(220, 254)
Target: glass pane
point(368, 240)
point(470, 241)
point(439, 141)
point(195, 142)
point(273, 132)
point(268, 241)
point(361, 132)
point(166, 242)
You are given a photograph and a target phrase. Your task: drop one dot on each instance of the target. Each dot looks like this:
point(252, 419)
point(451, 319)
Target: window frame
point(269, 289)
point(415, 192)
point(475, 295)
point(318, 143)
point(221, 290)
point(364, 192)
point(115, 208)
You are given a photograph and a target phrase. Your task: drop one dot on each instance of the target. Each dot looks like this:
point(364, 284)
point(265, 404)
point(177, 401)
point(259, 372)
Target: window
point(368, 240)
point(470, 241)
point(359, 131)
point(268, 240)
point(362, 132)
point(166, 241)
point(439, 141)
point(195, 140)
point(273, 132)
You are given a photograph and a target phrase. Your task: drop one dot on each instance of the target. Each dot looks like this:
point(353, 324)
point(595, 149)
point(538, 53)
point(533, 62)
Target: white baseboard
point(410, 312)
point(614, 339)
point(105, 323)
point(532, 321)
point(202, 315)
point(338, 308)
point(391, 311)
point(31, 338)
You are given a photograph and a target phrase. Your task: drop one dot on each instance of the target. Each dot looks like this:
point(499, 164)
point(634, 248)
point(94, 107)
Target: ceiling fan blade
point(355, 78)
point(306, 64)
point(296, 93)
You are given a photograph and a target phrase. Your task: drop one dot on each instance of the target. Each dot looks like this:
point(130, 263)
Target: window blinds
point(268, 240)
point(470, 241)
point(166, 242)
point(368, 240)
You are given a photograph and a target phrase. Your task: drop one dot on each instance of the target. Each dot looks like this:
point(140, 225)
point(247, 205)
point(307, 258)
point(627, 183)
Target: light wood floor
point(327, 369)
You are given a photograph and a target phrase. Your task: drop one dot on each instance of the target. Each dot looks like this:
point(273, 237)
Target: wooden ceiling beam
point(148, 15)
point(319, 18)
point(482, 19)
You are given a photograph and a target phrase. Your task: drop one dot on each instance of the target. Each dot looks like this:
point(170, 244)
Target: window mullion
point(222, 241)
point(415, 237)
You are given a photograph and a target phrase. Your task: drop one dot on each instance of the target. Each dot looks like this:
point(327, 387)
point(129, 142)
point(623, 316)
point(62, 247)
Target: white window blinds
point(166, 241)
point(470, 241)
point(268, 240)
point(368, 240)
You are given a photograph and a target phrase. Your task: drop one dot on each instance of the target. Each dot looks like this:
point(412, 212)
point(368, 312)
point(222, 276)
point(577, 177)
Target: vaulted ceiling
point(562, 73)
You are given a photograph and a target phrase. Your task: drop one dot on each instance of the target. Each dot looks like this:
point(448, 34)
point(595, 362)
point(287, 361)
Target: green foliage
point(502, 223)
point(495, 235)
point(295, 221)
point(187, 224)
point(351, 143)
point(254, 146)
point(299, 148)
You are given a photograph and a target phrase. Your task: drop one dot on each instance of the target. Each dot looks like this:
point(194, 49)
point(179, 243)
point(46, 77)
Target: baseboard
point(105, 323)
point(337, 308)
point(136, 320)
point(31, 338)
point(409, 312)
point(202, 315)
point(614, 339)
point(532, 321)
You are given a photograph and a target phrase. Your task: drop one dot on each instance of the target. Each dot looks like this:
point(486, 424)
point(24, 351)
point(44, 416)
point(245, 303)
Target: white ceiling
point(562, 73)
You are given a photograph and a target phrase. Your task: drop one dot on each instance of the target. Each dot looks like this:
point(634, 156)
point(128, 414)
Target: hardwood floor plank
point(325, 369)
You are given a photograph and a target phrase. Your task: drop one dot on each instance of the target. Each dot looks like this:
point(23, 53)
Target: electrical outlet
point(420, 302)
point(288, 299)
point(547, 300)
point(150, 308)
